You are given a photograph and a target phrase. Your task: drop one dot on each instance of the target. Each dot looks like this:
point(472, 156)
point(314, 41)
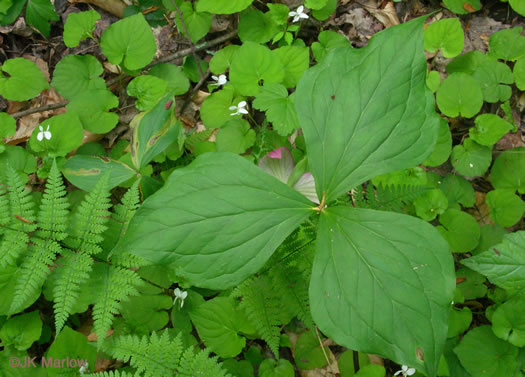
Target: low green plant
point(223, 217)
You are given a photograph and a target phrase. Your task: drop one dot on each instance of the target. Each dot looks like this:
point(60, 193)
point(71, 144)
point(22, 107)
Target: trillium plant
point(381, 282)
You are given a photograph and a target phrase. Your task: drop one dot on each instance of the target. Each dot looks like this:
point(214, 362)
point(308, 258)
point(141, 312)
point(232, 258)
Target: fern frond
point(20, 201)
point(112, 373)
point(53, 216)
point(262, 308)
point(52, 227)
point(119, 284)
point(292, 287)
point(200, 365)
point(196, 137)
point(12, 246)
point(390, 198)
point(90, 219)
point(34, 270)
point(72, 272)
point(123, 213)
point(156, 356)
point(125, 259)
point(5, 211)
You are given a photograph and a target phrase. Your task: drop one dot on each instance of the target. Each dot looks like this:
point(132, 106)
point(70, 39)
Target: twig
point(179, 13)
point(324, 351)
point(41, 109)
point(176, 55)
point(194, 90)
point(188, 51)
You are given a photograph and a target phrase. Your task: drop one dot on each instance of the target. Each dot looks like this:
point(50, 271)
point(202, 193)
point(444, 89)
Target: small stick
point(179, 13)
point(174, 56)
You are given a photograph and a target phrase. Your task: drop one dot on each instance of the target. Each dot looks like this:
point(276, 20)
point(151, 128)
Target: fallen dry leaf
point(386, 15)
point(481, 210)
point(28, 123)
point(115, 7)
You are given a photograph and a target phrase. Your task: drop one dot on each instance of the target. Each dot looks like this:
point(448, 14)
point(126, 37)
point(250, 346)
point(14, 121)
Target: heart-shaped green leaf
point(491, 75)
point(445, 35)
point(23, 81)
point(506, 208)
point(279, 107)
point(471, 159)
point(22, 331)
point(252, 64)
point(217, 322)
point(222, 6)
point(383, 283)
point(507, 44)
point(197, 23)
point(236, 136)
point(77, 74)
point(148, 90)
point(463, 6)
point(79, 26)
point(92, 109)
point(508, 171)
point(489, 129)
point(365, 112)
point(7, 125)
point(459, 94)
point(256, 26)
point(485, 355)
point(57, 135)
point(222, 218)
point(39, 13)
point(129, 41)
point(460, 230)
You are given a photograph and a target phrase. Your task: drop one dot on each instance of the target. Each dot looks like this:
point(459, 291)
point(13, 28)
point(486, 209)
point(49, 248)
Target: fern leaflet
point(292, 288)
point(262, 308)
point(53, 216)
point(52, 222)
point(119, 284)
point(90, 219)
point(115, 373)
point(157, 356)
point(200, 365)
point(73, 271)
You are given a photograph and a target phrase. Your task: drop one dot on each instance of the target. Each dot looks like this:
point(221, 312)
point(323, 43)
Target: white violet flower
point(239, 109)
point(43, 134)
point(84, 368)
point(405, 371)
point(298, 14)
point(180, 294)
point(221, 80)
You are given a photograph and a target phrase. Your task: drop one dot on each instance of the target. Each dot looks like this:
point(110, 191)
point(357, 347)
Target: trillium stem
point(321, 206)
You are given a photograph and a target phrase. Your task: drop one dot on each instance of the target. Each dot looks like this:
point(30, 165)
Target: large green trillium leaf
point(383, 283)
point(219, 220)
point(366, 112)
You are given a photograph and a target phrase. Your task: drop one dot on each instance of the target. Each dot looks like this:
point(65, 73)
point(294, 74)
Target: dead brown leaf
point(28, 123)
point(115, 7)
point(481, 210)
point(386, 15)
